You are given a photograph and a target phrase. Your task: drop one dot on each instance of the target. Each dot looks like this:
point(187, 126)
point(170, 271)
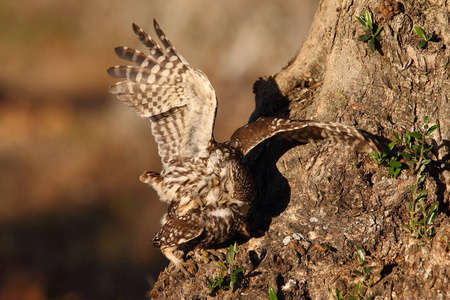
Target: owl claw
point(178, 263)
point(195, 203)
point(200, 256)
point(206, 255)
point(184, 266)
point(217, 254)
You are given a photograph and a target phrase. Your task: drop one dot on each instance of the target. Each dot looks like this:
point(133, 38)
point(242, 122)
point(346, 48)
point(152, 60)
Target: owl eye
point(228, 186)
point(202, 189)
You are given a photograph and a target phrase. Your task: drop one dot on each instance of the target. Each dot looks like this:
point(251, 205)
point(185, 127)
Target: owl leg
point(179, 264)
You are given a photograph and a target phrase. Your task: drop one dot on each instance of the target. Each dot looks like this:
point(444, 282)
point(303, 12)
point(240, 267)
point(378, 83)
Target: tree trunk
point(317, 204)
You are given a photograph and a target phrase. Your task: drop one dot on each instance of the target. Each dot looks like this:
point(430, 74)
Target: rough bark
point(316, 204)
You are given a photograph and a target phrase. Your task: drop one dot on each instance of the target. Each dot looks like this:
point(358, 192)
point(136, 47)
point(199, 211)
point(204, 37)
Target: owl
point(204, 183)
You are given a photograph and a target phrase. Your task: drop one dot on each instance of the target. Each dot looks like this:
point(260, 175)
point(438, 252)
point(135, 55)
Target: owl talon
point(217, 255)
point(201, 256)
point(195, 203)
point(184, 266)
point(206, 256)
point(178, 263)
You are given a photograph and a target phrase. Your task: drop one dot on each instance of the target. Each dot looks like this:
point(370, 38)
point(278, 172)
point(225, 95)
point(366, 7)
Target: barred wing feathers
point(163, 87)
point(247, 137)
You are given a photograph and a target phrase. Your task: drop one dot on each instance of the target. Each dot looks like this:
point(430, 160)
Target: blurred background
point(75, 222)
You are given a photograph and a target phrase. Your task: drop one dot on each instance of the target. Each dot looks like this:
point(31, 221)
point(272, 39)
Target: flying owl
point(204, 182)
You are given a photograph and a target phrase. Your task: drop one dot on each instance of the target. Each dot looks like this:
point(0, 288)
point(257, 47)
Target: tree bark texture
point(316, 204)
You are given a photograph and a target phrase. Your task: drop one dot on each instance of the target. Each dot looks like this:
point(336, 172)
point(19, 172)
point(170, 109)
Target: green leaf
point(377, 157)
point(364, 38)
point(235, 247)
point(429, 36)
point(219, 281)
point(238, 270)
point(395, 164)
point(434, 206)
point(221, 266)
point(416, 148)
point(394, 171)
point(273, 295)
point(397, 137)
point(368, 18)
point(415, 134)
point(405, 154)
point(232, 281)
point(427, 149)
point(413, 189)
point(363, 23)
point(372, 45)
point(425, 120)
point(410, 162)
point(338, 294)
point(368, 269)
point(378, 38)
point(230, 257)
point(422, 168)
point(432, 232)
point(391, 171)
point(357, 288)
point(378, 31)
point(422, 44)
point(410, 209)
point(420, 32)
point(430, 218)
point(426, 161)
point(421, 178)
point(406, 229)
point(431, 130)
point(422, 193)
point(210, 283)
point(358, 273)
point(361, 255)
point(391, 145)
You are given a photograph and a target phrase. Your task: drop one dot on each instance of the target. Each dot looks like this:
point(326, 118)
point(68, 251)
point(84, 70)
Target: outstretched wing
point(247, 137)
point(178, 99)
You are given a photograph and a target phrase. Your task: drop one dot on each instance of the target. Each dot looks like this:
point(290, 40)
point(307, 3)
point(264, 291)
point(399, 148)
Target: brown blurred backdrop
point(75, 222)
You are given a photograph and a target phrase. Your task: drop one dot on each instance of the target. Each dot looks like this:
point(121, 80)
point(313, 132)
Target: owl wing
point(178, 99)
point(247, 137)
